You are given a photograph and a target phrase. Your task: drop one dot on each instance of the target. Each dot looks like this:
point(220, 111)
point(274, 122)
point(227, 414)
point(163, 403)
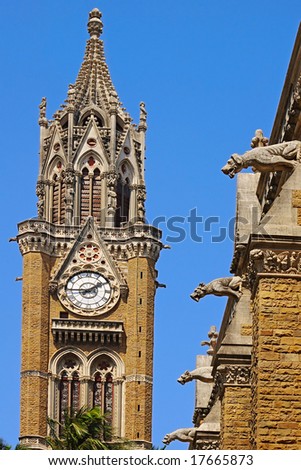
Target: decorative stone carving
point(238, 375)
point(207, 445)
point(212, 335)
point(111, 184)
point(141, 196)
point(95, 24)
point(276, 157)
point(143, 115)
point(52, 287)
point(42, 118)
point(233, 375)
point(122, 243)
point(183, 435)
point(71, 96)
point(40, 192)
point(228, 286)
point(204, 374)
point(259, 140)
point(69, 179)
point(268, 261)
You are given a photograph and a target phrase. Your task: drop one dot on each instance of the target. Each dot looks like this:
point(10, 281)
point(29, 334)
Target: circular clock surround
point(88, 290)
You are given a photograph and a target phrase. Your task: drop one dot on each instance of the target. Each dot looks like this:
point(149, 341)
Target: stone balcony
point(87, 331)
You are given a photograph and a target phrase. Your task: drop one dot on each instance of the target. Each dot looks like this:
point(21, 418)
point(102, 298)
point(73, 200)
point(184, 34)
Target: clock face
point(88, 290)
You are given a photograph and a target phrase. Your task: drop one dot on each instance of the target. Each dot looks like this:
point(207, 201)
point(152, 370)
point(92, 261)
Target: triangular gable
point(89, 253)
point(92, 135)
point(54, 152)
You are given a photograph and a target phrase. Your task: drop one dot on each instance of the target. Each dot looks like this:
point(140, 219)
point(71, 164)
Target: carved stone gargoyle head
point(233, 165)
point(199, 292)
point(185, 377)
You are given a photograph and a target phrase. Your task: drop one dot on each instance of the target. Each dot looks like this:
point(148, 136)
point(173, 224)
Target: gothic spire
point(93, 85)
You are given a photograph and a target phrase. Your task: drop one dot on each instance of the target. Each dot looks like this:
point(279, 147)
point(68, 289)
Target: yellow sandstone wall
point(276, 382)
point(35, 333)
point(139, 327)
point(236, 415)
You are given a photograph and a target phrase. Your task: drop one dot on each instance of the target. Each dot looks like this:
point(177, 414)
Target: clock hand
point(84, 290)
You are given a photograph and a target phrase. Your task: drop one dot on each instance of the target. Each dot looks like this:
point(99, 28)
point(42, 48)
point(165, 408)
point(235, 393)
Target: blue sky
point(210, 73)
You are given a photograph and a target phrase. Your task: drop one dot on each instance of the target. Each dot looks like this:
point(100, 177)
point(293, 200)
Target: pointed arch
point(57, 191)
point(90, 170)
point(96, 380)
point(106, 371)
point(98, 115)
point(123, 191)
point(69, 373)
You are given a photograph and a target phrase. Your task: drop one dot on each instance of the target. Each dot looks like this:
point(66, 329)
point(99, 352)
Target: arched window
point(103, 387)
point(77, 380)
point(90, 195)
point(69, 386)
point(57, 199)
point(96, 195)
point(123, 202)
point(84, 195)
point(64, 395)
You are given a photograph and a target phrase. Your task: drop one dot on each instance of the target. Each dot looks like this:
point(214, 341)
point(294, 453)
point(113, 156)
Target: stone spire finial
point(42, 118)
point(95, 24)
point(212, 335)
point(143, 115)
point(259, 140)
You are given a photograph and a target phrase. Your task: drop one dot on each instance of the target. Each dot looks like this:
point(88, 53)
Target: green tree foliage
point(85, 429)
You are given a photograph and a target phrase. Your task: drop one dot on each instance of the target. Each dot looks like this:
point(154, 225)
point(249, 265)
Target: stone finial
point(259, 140)
point(143, 116)
point(95, 24)
point(212, 335)
point(71, 94)
point(42, 117)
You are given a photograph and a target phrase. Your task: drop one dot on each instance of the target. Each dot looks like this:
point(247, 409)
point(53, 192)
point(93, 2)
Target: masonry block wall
point(276, 384)
point(35, 333)
point(235, 417)
point(139, 329)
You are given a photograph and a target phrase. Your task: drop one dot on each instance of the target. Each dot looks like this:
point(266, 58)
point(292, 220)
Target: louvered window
point(90, 203)
point(123, 203)
point(55, 200)
point(96, 195)
point(58, 204)
point(85, 195)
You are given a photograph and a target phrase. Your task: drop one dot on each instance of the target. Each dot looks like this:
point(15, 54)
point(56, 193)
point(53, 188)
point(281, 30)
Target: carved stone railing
point(123, 243)
point(87, 331)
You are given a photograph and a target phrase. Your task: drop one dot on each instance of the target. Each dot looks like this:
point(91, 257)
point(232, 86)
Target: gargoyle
point(202, 373)
point(276, 157)
point(183, 435)
point(229, 286)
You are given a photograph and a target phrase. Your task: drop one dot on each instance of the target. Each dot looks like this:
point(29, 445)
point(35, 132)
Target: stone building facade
point(89, 277)
point(255, 388)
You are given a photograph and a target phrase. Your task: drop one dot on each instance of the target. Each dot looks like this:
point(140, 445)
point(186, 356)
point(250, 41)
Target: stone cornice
point(34, 373)
point(65, 330)
point(139, 378)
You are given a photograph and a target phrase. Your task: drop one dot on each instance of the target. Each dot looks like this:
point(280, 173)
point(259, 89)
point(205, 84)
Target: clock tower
point(89, 277)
